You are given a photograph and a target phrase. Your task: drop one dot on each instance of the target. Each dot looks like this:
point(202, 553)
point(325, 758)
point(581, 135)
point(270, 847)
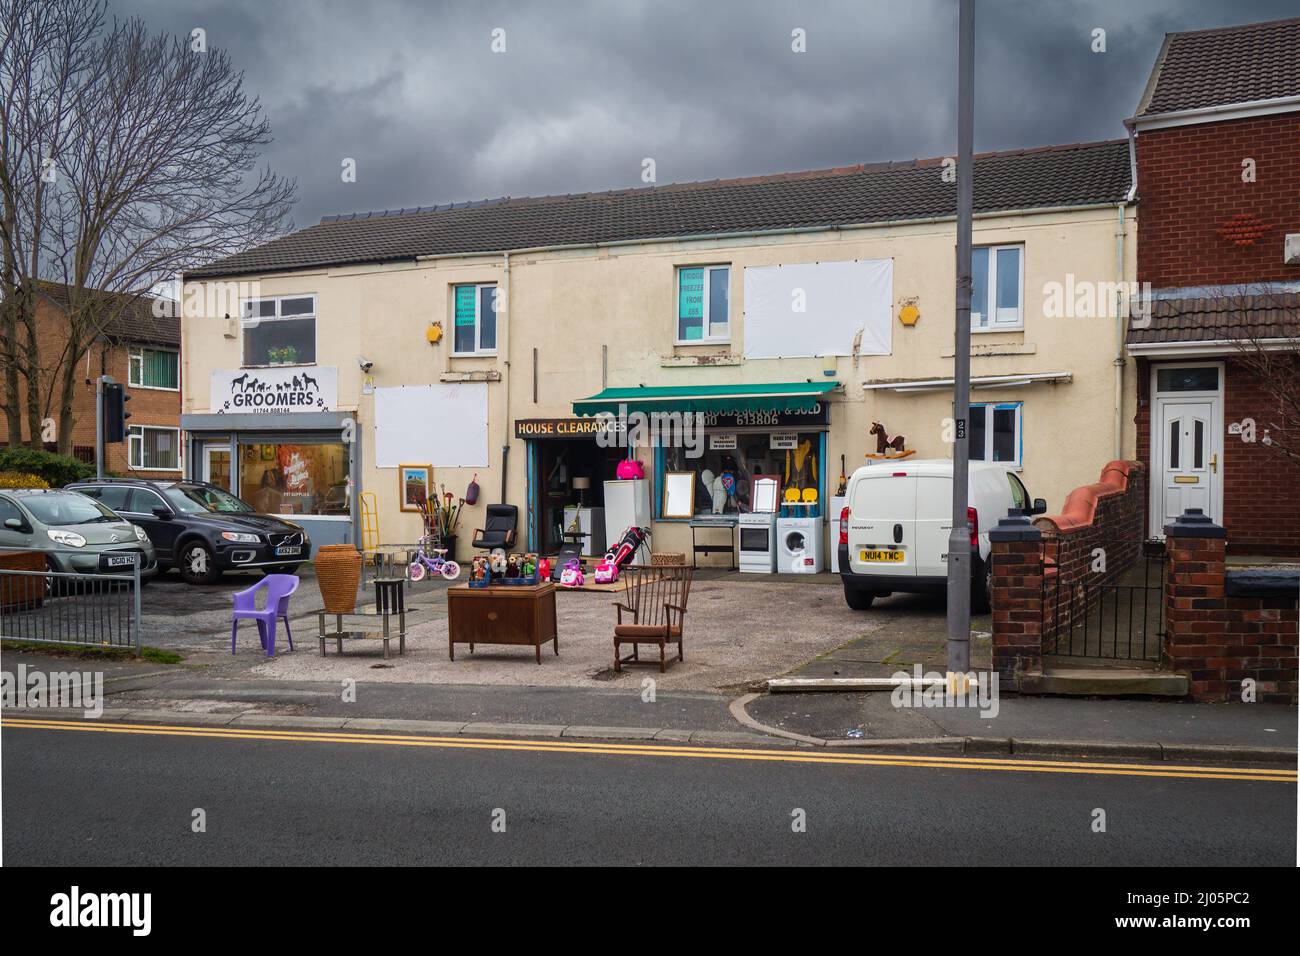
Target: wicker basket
point(667, 558)
point(338, 572)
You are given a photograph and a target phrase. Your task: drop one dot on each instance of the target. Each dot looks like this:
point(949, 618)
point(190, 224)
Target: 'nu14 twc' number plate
point(883, 557)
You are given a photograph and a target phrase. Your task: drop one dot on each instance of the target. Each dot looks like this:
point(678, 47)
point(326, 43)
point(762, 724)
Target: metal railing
point(58, 607)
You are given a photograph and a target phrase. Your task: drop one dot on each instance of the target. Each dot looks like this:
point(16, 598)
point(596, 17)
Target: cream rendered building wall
point(569, 304)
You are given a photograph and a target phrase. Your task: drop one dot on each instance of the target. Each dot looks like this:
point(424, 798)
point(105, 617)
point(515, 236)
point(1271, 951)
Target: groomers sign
point(299, 388)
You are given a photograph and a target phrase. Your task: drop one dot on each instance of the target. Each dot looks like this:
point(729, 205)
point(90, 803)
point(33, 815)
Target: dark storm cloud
point(589, 88)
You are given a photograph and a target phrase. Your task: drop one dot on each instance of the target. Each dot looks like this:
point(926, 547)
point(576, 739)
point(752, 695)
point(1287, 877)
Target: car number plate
point(884, 557)
point(287, 549)
point(116, 560)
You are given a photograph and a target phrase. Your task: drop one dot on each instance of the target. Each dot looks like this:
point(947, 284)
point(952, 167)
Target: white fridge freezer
point(627, 503)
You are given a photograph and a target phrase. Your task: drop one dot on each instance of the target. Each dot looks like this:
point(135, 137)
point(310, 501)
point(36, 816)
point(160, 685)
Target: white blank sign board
point(441, 425)
point(817, 308)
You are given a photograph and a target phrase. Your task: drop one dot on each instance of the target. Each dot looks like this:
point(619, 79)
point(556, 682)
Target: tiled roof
point(135, 322)
point(1074, 175)
point(1267, 316)
point(1204, 68)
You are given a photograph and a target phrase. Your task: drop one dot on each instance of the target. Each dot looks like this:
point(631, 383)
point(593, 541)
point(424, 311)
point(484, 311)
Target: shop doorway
point(560, 468)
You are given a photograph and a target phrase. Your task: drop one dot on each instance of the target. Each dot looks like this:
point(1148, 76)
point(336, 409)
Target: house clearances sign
point(298, 388)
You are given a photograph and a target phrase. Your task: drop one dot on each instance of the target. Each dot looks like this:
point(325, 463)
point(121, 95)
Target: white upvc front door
point(1186, 454)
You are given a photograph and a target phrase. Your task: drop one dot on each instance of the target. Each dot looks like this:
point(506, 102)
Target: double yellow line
point(841, 757)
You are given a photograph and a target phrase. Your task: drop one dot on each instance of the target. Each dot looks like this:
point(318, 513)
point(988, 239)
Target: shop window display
point(295, 479)
point(725, 475)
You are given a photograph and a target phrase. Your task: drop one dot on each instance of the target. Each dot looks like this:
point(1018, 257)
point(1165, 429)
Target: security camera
point(365, 363)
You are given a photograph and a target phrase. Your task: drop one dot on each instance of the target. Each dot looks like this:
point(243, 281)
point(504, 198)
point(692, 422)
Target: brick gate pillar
point(1017, 598)
point(1195, 604)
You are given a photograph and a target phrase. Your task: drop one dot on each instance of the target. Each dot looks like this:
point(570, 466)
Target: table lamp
point(581, 485)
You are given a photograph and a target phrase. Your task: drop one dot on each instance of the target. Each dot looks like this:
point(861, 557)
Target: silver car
point(77, 534)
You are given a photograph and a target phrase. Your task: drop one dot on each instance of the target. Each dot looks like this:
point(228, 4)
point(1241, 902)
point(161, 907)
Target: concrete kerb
point(764, 737)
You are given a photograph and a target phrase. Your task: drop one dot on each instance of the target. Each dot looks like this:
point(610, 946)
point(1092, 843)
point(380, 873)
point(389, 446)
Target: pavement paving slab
point(1157, 722)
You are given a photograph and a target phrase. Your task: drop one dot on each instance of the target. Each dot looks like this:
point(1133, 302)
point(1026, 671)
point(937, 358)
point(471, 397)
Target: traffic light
point(114, 412)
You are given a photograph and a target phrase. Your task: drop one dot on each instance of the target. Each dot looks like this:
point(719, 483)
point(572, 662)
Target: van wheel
point(981, 589)
point(858, 600)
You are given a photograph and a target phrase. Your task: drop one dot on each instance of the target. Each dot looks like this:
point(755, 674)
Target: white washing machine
point(757, 542)
point(799, 545)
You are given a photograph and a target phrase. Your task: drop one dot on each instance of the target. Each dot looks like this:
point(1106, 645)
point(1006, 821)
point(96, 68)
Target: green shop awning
point(796, 398)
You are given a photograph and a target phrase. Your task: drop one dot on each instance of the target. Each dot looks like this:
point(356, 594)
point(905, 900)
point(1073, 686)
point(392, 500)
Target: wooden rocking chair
point(654, 597)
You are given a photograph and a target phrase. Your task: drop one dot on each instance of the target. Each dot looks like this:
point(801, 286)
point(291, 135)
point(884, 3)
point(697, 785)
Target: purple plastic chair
point(278, 588)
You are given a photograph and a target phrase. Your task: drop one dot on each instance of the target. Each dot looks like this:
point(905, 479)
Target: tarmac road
point(128, 797)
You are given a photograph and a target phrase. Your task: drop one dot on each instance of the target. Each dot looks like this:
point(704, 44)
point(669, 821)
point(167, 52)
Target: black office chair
point(498, 529)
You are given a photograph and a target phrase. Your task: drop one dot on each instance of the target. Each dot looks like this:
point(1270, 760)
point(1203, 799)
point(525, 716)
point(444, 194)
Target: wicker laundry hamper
point(667, 559)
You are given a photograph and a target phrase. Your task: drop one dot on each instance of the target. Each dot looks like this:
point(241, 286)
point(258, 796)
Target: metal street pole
point(99, 427)
point(959, 551)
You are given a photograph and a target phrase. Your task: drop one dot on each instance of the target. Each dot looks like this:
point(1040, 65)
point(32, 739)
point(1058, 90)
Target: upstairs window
point(154, 449)
point(703, 305)
point(997, 288)
point(154, 368)
point(475, 308)
point(280, 331)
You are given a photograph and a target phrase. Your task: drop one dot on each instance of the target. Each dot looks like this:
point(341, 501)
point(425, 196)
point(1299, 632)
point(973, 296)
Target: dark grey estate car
point(201, 529)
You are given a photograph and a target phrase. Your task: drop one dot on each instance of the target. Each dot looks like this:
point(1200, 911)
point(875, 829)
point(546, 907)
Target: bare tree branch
point(155, 149)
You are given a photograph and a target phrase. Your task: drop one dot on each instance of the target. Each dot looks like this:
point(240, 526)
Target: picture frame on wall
point(414, 485)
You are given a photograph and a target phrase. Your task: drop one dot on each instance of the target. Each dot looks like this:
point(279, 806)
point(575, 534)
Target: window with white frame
point(995, 433)
point(152, 448)
point(703, 305)
point(997, 288)
point(280, 331)
point(154, 368)
point(474, 310)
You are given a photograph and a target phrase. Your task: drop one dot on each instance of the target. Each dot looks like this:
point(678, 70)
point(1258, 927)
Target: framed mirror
point(679, 494)
point(766, 493)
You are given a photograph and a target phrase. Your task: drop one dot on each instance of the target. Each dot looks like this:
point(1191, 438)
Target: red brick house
point(141, 351)
point(1216, 141)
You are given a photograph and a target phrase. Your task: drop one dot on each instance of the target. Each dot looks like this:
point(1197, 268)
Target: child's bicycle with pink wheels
point(432, 560)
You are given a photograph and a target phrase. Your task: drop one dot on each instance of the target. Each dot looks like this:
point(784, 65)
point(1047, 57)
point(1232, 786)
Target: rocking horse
point(887, 446)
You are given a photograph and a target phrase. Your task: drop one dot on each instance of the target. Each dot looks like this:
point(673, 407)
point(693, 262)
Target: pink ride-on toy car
point(607, 571)
point(572, 576)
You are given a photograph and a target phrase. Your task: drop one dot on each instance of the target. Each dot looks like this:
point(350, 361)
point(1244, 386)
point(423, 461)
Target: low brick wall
point(1109, 516)
point(1218, 639)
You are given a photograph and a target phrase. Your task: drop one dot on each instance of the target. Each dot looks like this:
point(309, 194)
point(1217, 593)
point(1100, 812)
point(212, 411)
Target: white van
point(894, 530)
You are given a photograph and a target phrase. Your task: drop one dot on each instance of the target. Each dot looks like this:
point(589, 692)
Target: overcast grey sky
point(586, 89)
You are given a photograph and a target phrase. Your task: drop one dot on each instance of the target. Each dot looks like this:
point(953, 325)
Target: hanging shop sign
point(723, 441)
point(313, 388)
point(781, 441)
point(586, 427)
